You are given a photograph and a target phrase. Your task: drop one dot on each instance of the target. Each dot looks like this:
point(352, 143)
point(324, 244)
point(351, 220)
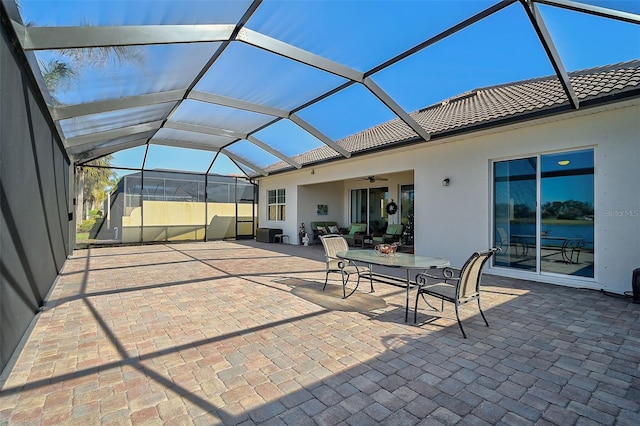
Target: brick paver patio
point(212, 333)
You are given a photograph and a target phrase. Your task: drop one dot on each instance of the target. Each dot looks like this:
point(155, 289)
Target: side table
point(280, 238)
point(362, 240)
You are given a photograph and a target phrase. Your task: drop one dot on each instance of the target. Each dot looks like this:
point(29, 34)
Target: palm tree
point(60, 72)
point(92, 184)
point(99, 57)
point(56, 73)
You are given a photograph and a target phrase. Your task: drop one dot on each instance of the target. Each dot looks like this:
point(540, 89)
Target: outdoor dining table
point(406, 261)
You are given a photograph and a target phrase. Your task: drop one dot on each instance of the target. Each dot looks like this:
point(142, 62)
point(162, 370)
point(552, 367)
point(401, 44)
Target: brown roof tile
point(490, 106)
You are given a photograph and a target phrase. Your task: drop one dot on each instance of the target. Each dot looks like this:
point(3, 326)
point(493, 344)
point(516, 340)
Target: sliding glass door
point(368, 206)
point(544, 213)
point(515, 218)
point(406, 212)
point(567, 213)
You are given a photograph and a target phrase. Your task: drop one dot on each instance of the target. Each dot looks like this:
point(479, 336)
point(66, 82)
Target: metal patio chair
point(333, 244)
point(458, 286)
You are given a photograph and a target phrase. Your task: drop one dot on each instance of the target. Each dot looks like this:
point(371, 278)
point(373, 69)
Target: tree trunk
point(79, 196)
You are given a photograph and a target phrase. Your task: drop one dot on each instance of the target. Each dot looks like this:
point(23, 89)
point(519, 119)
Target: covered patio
point(239, 333)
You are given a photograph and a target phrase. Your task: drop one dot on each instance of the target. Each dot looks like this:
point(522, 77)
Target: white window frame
point(276, 204)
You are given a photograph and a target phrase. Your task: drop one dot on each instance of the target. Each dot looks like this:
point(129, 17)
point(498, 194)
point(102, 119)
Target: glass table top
point(399, 260)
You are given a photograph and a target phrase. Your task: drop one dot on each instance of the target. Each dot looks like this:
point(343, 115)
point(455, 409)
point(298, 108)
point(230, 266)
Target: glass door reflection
point(515, 213)
point(567, 213)
point(558, 236)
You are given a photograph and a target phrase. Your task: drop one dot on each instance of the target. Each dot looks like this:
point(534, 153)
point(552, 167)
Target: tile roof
point(489, 107)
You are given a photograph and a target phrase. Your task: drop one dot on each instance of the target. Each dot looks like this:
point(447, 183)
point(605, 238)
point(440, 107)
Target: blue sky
point(359, 34)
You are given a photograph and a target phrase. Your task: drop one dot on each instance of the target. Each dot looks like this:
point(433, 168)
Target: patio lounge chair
point(391, 235)
point(458, 286)
point(355, 229)
point(333, 244)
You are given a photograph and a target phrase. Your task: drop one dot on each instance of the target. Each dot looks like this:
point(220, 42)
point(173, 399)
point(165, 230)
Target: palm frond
point(56, 74)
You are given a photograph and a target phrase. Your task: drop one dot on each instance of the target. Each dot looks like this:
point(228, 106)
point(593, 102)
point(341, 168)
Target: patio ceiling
point(241, 85)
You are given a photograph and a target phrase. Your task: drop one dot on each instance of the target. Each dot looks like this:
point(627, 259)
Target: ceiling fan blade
point(372, 179)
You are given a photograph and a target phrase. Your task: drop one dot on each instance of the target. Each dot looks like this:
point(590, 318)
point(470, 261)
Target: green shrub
point(86, 225)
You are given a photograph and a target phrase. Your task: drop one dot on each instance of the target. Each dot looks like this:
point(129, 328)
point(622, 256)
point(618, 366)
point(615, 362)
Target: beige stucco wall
point(175, 221)
point(327, 186)
point(453, 221)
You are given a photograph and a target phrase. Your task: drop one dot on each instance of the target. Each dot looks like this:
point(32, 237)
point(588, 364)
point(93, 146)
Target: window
point(276, 205)
point(544, 213)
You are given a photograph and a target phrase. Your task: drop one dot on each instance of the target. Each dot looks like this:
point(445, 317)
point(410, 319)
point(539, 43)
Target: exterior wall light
point(446, 182)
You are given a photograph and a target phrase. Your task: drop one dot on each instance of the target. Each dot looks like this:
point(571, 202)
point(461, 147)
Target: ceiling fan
point(372, 179)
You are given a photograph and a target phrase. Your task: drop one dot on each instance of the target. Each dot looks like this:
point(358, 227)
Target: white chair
point(333, 244)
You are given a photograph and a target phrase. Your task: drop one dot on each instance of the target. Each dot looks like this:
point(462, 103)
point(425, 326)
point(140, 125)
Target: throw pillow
point(322, 230)
point(334, 230)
